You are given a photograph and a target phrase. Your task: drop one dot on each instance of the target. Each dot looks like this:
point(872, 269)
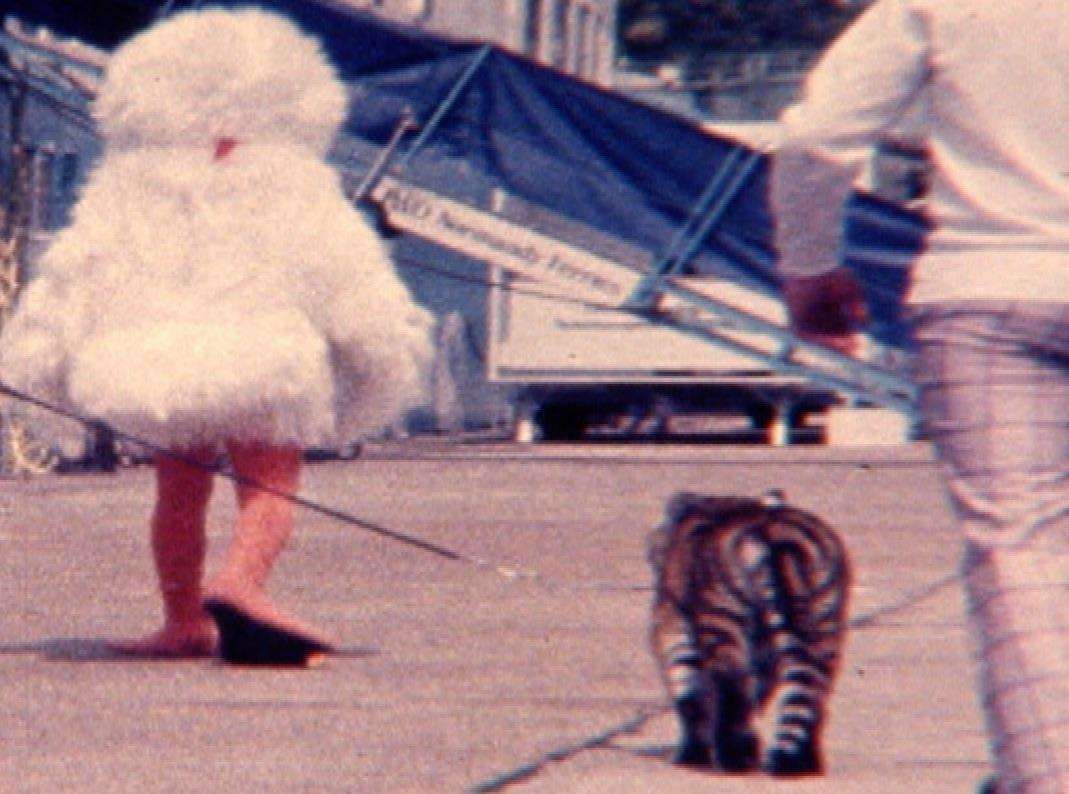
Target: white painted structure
point(560, 331)
point(575, 36)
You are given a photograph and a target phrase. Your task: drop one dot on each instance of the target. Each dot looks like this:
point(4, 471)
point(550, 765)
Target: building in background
point(577, 37)
point(724, 61)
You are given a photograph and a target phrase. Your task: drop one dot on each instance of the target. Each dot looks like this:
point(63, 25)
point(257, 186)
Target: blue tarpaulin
point(581, 152)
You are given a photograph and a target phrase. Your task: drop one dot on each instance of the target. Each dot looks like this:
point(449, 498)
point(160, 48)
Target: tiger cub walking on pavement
point(749, 610)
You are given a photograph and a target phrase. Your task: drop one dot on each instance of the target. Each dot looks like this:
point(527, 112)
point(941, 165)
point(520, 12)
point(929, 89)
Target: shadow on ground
point(97, 649)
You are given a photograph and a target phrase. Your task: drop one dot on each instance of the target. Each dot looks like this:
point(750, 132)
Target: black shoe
point(244, 639)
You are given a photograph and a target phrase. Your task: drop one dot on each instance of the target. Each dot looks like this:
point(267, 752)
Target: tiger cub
point(749, 609)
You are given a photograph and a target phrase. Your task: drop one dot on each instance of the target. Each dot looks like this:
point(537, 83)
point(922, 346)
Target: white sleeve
point(860, 89)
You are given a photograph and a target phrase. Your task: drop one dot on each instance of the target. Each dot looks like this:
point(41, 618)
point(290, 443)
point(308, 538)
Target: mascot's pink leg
point(178, 548)
point(260, 633)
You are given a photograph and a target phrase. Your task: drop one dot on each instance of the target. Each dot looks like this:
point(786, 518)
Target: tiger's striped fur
point(749, 611)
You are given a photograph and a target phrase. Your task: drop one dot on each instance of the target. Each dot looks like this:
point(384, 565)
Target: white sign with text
point(490, 238)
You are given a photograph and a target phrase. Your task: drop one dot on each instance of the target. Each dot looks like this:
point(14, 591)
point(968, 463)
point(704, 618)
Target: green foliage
point(684, 30)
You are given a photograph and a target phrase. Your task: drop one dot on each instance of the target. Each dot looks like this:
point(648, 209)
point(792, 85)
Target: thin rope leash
point(340, 515)
point(506, 571)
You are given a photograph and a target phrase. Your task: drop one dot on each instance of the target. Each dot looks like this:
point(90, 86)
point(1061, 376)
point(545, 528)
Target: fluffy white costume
point(194, 299)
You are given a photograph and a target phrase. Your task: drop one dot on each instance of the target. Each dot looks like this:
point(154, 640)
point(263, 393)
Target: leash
point(413, 541)
point(344, 517)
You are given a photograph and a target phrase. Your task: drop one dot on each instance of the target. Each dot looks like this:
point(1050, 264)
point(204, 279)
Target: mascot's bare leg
point(178, 548)
point(253, 630)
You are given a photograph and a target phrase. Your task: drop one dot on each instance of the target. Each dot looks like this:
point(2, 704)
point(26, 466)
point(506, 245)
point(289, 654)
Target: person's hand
point(827, 309)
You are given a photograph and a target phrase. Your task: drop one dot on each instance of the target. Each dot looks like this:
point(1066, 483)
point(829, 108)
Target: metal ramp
point(526, 261)
point(659, 296)
point(689, 311)
point(662, 299)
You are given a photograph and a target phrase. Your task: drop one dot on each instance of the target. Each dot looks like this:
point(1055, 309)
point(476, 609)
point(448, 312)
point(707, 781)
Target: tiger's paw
point(693, 752)
point(737, 752)
point(693, 749)
point(794, 760)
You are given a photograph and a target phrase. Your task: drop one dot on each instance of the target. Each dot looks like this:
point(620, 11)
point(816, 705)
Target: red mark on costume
point(223, 147)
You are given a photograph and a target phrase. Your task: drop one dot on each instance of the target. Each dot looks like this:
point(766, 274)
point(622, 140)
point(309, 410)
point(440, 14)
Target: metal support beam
point(407, 123)
point(715, 321)
point(645, 292)
point(708, 211)
point(716, 213)
point(446, 105)
point(374, 174)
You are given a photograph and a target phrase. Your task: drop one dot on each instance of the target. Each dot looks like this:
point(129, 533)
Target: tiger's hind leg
point(725, 654)
point(680, 664)
point(722, 739)
point(799, 693)
point(805, 587)
point(734, 740)
point(693, 747)
point(795, 749)
point(715, 728)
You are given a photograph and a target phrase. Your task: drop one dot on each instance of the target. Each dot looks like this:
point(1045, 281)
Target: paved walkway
point(454, 677)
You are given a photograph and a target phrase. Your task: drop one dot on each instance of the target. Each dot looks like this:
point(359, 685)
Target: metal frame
point(447, 104)
point(722, 189)
point(706, 317)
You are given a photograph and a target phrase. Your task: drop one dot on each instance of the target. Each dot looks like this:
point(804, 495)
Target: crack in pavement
point(601, 740)
point(636, 723)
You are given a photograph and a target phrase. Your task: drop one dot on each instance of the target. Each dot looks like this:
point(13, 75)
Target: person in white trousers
point(989, 81)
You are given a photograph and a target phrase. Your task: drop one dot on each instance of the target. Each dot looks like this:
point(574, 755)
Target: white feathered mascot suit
point(215, 282)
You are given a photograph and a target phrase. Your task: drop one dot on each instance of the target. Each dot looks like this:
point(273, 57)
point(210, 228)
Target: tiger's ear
point(773, 497)
point(681, 503)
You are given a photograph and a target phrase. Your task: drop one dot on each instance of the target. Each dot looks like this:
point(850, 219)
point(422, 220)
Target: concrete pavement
point(456, 677)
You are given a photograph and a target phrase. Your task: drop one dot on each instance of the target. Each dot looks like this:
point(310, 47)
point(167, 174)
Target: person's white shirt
point(992, 79)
